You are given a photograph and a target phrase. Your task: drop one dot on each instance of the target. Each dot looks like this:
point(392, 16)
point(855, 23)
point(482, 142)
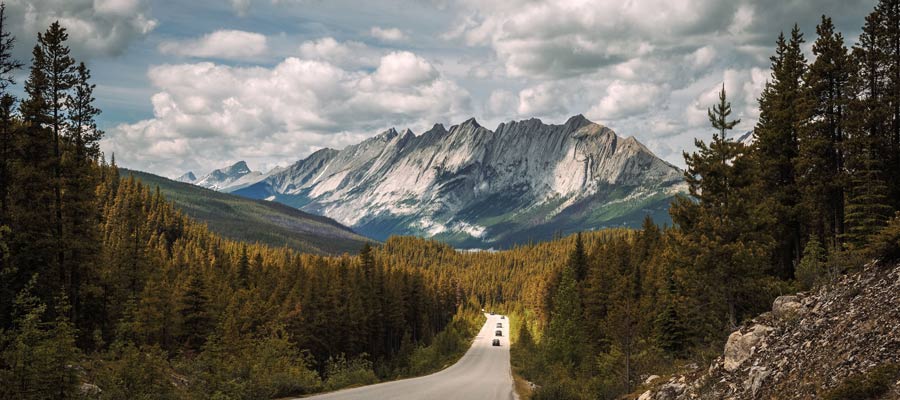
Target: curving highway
point(483, 373)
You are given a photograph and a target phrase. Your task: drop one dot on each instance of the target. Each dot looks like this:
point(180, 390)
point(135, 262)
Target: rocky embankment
point(809, 346)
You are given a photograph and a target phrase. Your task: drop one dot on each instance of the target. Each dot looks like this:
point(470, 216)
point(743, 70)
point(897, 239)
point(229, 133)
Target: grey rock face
point(473, 186)
point(740, 346)
point(788, 306)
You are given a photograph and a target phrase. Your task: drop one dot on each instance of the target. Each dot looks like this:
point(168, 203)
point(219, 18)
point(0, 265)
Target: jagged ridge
point(472, 186)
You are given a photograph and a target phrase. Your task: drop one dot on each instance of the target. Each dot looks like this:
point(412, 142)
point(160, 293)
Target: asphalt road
point(483, 373)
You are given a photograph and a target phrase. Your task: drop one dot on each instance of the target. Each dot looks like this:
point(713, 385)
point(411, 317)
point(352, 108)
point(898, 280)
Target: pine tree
point(195, 321)
point(578, 259)
point(821, 164)
point(776, 147)
point(670, 331)
point(722, 233)
point(564, 336)
point(58, 69)
point(33, 245)
point(8, 66)
point(888, 40)
point(243, 269)
point(79, 194)
point(811, 269)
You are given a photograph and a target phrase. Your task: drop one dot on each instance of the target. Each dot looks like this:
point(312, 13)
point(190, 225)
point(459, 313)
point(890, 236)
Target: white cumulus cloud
point(205, 112)
point(388, 34)
point(221, 44)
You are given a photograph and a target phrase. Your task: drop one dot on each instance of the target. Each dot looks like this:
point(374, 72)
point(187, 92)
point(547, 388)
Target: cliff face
point(810, 345)
point(471, 186)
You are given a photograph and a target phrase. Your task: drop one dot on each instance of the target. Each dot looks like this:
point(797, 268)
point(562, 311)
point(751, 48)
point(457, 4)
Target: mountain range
point(471, 186)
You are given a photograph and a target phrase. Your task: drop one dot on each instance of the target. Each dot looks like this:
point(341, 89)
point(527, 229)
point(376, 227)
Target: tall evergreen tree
point(58, 69)
point(870, 148)
point(776, 147)
point(888, 19)
point(195, 321)
point(8, 66)
point(565, 337)
point(820, 164)
point(722, 236)
point(578, 259)
point(33, 245)
point(79, 182)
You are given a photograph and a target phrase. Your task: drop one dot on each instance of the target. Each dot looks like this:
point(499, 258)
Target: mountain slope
point(250, 220)
point(471, 186)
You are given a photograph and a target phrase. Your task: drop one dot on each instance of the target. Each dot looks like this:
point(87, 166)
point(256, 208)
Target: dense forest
point(107, 290)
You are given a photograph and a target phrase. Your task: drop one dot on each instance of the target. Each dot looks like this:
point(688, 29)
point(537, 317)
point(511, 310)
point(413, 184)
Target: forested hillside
point(247, 220)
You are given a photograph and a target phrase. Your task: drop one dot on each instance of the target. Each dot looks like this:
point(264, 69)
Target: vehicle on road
point(499, 333)
point(502, 317)
point(499, 325)
point(496, 342)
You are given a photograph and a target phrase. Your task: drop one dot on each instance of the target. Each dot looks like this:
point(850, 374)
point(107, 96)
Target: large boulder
point(740, 346)
point(786, 306)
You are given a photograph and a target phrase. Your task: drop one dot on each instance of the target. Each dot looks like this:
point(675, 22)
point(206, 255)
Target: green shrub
point(813, 266)
point(555, 391)
point(885, 245)
point(342, 373)
point(131, 372)
point(267, 366)
point(870, 385)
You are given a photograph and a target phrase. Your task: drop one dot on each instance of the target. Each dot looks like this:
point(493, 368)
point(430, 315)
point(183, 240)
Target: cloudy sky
point(195, 85)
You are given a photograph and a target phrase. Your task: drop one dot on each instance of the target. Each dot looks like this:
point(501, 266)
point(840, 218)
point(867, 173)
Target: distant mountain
point(251, 220)
point(474, 187)
point(188, 177)
point(233, 177)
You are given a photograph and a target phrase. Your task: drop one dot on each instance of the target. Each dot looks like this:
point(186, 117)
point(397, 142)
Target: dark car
point(499, 325)
point(496, 342)
point(499, 333)
point(502, 317)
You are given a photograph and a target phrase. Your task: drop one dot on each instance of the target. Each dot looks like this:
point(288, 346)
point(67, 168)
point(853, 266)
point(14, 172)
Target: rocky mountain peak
point(188, 177)
point(388, 135)
point(237, 169)
point(577, 121)
point(470, 123)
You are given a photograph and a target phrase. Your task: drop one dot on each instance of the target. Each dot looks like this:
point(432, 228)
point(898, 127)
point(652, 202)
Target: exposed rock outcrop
point(809, 344)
